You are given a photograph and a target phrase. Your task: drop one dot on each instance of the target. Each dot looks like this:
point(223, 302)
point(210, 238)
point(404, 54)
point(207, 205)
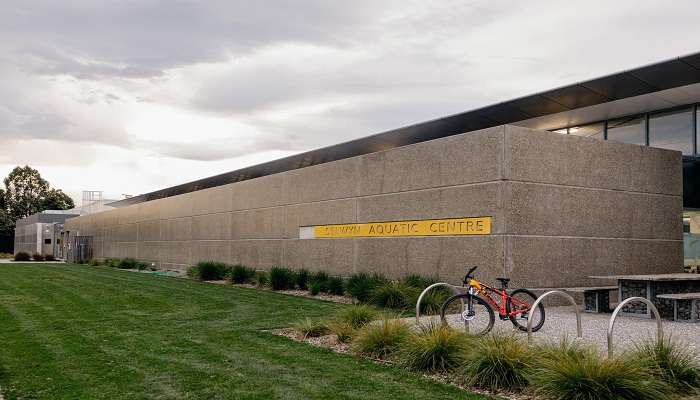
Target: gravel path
point(561, 322)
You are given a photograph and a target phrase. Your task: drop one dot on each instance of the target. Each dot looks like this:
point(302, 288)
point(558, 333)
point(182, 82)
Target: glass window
point(590, 130)
point(672, 130)
point(627, 130)
point(47, 241)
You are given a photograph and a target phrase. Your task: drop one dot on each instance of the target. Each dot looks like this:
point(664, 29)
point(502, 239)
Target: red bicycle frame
point(517, 307)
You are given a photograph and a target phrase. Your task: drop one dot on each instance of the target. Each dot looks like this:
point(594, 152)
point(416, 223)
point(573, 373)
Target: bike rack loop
point(579, 332)
point(611, 324)
point(454, 288)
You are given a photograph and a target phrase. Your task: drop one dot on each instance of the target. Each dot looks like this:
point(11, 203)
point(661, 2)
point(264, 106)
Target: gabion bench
point(595, 299)
point(686, 306)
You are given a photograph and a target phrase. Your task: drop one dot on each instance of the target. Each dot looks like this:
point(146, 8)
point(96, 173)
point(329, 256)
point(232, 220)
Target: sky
point(132, 96)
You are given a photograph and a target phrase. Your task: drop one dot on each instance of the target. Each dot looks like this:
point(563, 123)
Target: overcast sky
point(133, 96)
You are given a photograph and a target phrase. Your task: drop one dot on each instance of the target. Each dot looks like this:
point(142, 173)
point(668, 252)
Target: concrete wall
point(563, 208)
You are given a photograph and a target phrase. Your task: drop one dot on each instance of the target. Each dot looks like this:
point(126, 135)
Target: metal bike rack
point(652, 307)
point(579, 332)
point(455, 289)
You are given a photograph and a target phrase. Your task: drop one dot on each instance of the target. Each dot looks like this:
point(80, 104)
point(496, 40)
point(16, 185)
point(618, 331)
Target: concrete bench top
point(579, 289)
point(591, 289)
point(679, 296)
point(652, 277)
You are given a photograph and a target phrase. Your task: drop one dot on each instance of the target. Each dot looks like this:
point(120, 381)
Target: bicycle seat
point(504, 281)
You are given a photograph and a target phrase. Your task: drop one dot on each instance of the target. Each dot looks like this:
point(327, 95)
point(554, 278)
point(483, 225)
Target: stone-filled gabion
point(665, 306)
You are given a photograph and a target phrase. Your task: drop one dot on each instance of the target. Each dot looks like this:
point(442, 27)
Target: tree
point(57, 200)
point(27, 193)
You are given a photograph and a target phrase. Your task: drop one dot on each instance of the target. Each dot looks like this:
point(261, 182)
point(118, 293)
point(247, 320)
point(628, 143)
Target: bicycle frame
point(518, 307)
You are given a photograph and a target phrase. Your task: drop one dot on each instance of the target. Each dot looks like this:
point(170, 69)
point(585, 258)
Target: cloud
point(142, 95)
point(140, 39)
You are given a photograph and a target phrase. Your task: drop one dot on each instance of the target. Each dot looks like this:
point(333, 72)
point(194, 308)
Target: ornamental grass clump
point(357, 315)
point(395, 295)
point(241, 274)
point(418, 281)
point(336, 286)
point(435, 347)
point(496, 362)
point(261, 279)
point(432, 301)
point(381, 339)
point(37, 257)
point(114, 262)
point(320, 279)
point(585, 375)
point(311, 327)
point(127, 263)
point(281, 278)
point(342, 329)
point(361, 285)
point(302, 279)
point(314, 288)
point(207, 271)
point(671, 362)
point(22, 256)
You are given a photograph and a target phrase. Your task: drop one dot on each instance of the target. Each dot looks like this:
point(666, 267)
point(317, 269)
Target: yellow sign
point(426, 227)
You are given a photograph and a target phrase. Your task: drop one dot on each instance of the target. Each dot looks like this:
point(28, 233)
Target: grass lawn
point(81, 332)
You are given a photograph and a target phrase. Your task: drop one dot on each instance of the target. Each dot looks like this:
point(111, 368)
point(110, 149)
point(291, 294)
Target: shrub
point(361, 285)
point(281, 278)
point(342, 329)
point(301, 279)
point(37, 257)
point(381, 339)
point(241, 274)
point(207, 271)
point(261, 278)
point(497, 361)
point(49, 257)
point(311, 328)
point(588, 376)
point(6, 255)
point(335, 286)
point(357, 315)
point(22, 256)
point(321, 278)
point(671, 362)
point(314, 288)
point(434, 347)
point(396, 295)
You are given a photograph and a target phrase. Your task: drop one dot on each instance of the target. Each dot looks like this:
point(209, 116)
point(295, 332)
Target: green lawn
point(80, 332)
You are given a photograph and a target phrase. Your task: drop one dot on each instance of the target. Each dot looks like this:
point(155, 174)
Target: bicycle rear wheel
point(523, 299)
point(469, 313)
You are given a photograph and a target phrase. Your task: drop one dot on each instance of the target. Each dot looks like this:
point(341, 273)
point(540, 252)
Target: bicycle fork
point(468, 312)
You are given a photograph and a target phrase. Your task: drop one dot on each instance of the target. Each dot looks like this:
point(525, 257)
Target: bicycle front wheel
point(469, 313)
point(519, 310)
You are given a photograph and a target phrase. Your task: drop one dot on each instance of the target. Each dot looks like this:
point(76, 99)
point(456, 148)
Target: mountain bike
point(474, 310)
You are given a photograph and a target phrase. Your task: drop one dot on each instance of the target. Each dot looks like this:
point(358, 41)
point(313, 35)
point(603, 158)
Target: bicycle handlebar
point(469, 274)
